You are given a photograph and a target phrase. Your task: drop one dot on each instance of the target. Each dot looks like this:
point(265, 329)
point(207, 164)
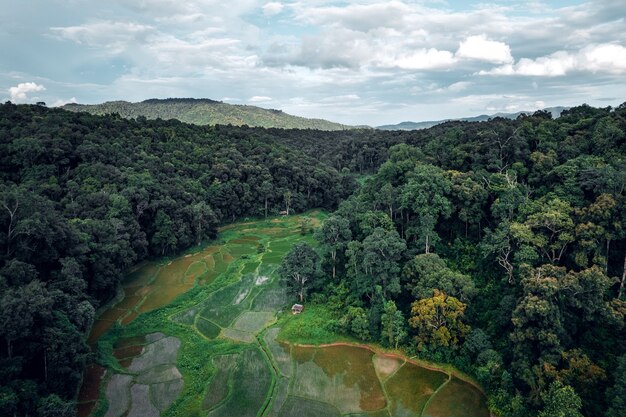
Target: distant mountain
point(556, 112)
point(206, 112)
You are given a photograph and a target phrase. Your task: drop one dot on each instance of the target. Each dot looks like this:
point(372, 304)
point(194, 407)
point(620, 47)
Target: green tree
point(560, 401)
point(300, 269)
point(393, 330)
point(427, 272)
point(333, 236)
point(425, 194)
point(356, 322)
point(382, 252)
point(164, 238)
point(616, 395)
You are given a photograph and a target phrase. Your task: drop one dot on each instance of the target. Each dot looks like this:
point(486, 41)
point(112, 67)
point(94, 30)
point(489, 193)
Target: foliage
point(438, 320)
point(561, 401)
point(300, 269)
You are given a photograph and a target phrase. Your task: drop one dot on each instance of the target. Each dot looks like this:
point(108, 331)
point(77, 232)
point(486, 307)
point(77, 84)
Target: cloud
point(272, 8)
point(609, 58)
point(456, 87)
point(424, 59)
point(61, 102)
point(19, 92)
point(358, 17)
point(259, 99)
point(480, 48)
point(605, 58)
point(115, 37)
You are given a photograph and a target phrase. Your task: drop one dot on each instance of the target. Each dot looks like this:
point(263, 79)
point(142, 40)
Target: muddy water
point(356, 380)
point(153, 285)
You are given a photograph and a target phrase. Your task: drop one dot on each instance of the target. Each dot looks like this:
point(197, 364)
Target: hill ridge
point(205, 111)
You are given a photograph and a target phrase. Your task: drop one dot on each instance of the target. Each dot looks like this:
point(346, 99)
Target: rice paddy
point(199, 335)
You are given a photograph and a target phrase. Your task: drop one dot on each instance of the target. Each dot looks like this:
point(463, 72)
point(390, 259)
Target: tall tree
point(438, 320)
point(425, 194)
point(334, 235)
point(393, 330)
point(300, 269)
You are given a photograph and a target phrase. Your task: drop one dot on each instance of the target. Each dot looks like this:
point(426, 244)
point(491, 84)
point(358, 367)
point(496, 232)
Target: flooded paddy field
point(199, 335)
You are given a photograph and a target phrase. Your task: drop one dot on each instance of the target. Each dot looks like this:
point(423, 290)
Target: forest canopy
point(499, 246)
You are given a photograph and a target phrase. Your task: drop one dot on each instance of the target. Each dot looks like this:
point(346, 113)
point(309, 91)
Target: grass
point(251, 384)
point(312, 327)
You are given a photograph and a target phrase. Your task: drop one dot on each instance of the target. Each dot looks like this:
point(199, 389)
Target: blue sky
point(356, 62)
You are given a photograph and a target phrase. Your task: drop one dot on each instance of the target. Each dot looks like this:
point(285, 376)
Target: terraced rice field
point(197, 335)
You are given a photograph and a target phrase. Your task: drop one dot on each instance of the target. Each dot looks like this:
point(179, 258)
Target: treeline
point(82, 198)
point(499, 247)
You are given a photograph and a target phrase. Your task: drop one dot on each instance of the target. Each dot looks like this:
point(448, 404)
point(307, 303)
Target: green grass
point(252, 381)
point(207, 328)
point(312, 326)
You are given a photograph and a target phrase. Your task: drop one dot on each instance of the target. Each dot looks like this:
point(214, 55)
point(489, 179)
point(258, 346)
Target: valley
point(201, 334)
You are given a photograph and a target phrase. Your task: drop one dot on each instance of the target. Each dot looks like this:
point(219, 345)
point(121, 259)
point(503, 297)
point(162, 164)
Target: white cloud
point(458, 86)
point(19, 93)
point(607, 58)
point(61, 102)
point(483, 49)
point(114, 37)
point(423, 59)
point(259, 99)
point(272, 8)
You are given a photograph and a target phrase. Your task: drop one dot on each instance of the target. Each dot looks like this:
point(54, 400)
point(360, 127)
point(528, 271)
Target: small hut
point(283, 213)
point(297, 308)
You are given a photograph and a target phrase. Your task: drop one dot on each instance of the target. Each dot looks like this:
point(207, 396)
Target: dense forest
point(498, 247)
point(82, 198)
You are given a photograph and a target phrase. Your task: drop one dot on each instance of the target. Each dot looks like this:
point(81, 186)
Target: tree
point(21, 310)
point(300, 269)
point(438, 320)
point(425, 193)
point(616, 395)
point(266, 191)
point(287, 197)
point(560, 401)
point(333, 236)
point(499, 242)
point(548, 227)
point(468, 197)
point(393, 330)
point(53, 406)
point(382, 251)
point(164, 237)
point(427, 272)
point(356, 322)
point(204, 221)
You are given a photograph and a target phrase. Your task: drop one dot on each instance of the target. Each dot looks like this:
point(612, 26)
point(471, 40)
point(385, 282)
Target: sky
point(355, 62)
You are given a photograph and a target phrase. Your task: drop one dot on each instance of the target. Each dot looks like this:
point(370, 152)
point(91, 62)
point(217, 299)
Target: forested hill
point(206, 112)
point(555, 111)
point(513, 230)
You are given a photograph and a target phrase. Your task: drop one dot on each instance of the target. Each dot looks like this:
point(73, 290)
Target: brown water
point(354, 379)
point(154, 285)
point(151, 286)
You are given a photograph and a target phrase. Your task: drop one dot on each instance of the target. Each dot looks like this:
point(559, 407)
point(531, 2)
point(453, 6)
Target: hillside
point(555, 111)
point(206, 112)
